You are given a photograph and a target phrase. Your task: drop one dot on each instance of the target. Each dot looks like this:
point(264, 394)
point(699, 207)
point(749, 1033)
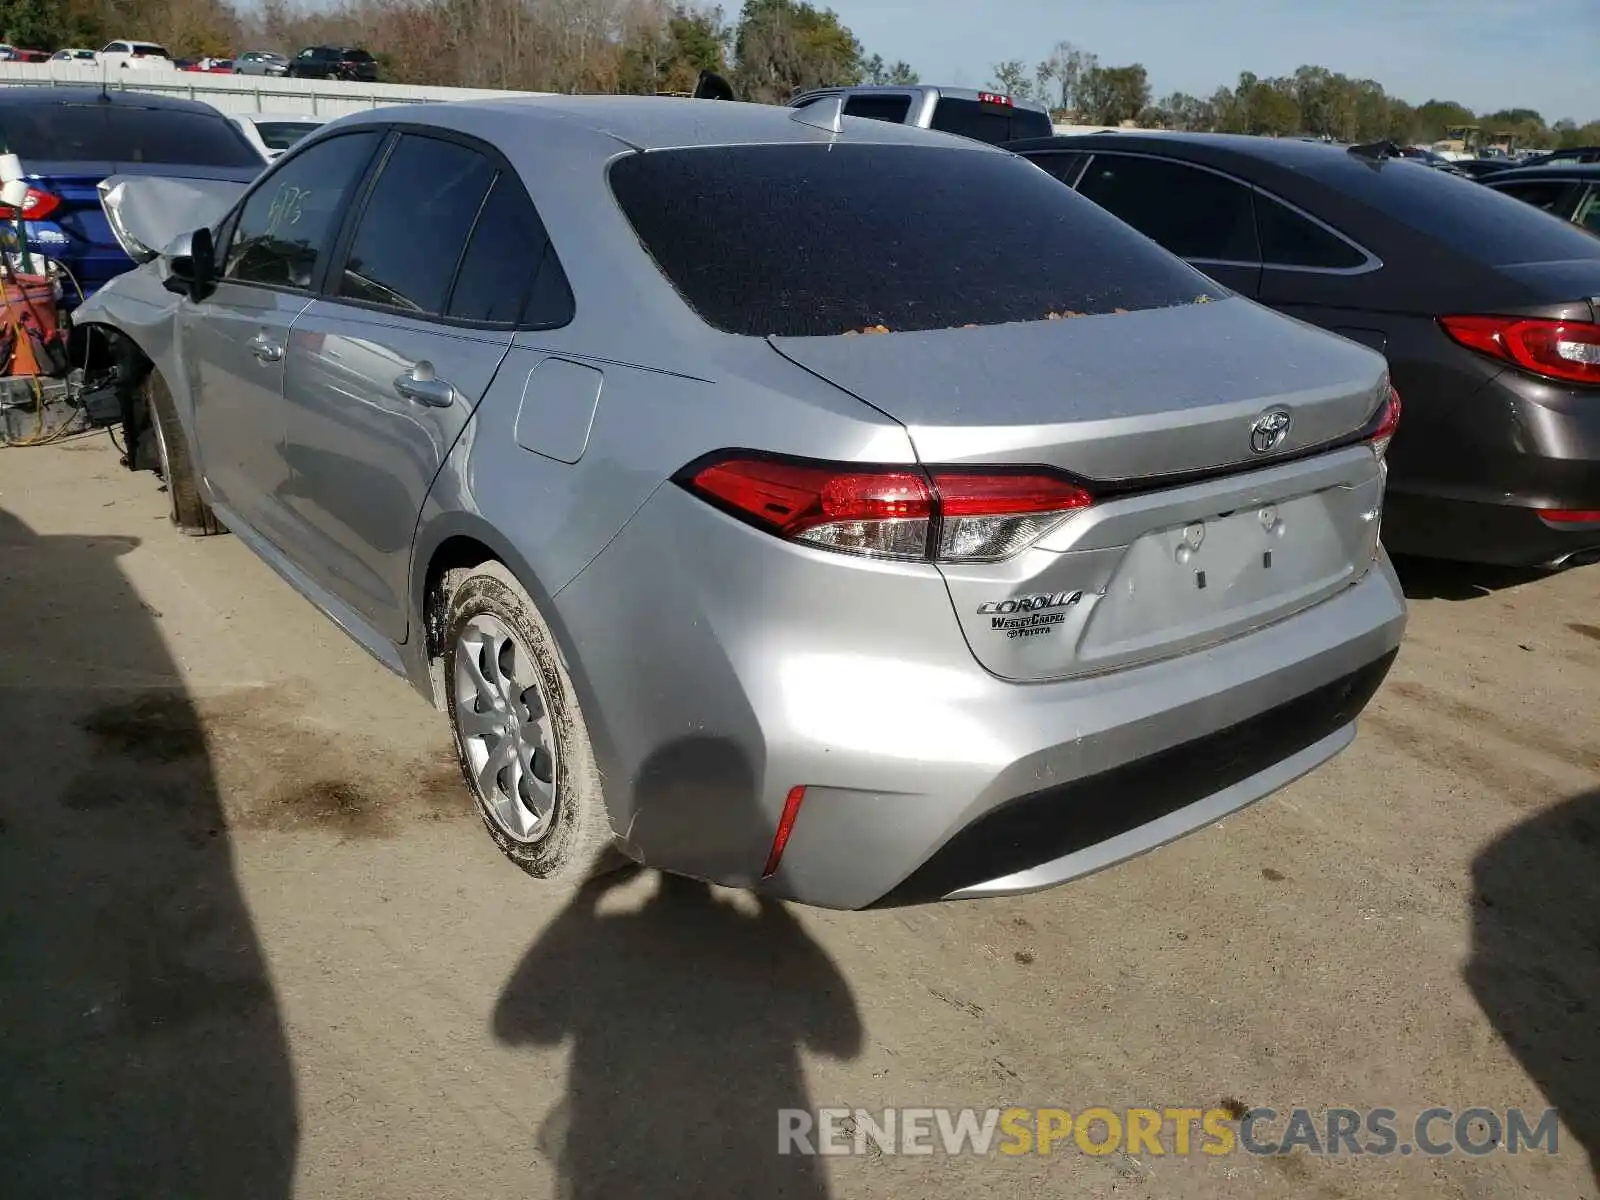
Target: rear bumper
point(747, 667)
point(1472, 488)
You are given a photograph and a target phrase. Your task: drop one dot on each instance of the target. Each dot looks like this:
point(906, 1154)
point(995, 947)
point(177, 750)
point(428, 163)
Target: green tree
point(669, 57)
point(1272, 110)
point(1056, 78)
point(1112, 95)
point(785, 46)
point(35, 24)
point(1436, 117)
point(902, 75)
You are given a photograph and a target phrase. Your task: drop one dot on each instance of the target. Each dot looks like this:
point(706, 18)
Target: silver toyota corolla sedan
point(798, 502)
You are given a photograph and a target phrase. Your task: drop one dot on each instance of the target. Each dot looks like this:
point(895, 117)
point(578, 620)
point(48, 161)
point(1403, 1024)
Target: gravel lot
point(254, 944)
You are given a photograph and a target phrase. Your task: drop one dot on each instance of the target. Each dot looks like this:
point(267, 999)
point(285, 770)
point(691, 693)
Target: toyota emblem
point(1269, 429)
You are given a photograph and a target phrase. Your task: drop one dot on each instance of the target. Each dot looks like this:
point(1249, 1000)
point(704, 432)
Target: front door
point(236, 339)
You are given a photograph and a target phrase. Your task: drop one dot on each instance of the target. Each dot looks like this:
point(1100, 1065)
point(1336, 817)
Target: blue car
point(69, 139)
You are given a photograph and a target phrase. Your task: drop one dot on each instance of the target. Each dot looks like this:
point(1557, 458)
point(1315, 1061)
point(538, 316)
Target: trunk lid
point(1116, 398)
point(1199, 538)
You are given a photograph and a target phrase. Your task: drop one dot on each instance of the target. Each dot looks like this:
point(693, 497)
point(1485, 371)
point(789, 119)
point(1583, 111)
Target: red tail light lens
point(36, 206)
point(1564, 350)
point(1388, 422)
point(948, 515)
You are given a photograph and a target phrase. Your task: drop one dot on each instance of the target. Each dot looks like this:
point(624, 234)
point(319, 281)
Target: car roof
point(651, 122)
point(21, 96)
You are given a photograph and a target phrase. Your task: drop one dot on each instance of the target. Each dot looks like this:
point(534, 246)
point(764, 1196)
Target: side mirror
point(189, 264)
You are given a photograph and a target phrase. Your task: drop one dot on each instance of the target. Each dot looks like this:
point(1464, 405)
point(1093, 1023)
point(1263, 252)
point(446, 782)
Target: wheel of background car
point(186, 508)
point(520, 736)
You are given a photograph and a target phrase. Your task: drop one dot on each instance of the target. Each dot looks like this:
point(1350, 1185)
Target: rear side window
point(123, 134)
point(992, 123)
point(1475, 221)
point(1290, 240)
point(806, 239)
point(411, 234)
point(509, 274)
point(1541, 193)
point(1193, 213)
point(893, 109)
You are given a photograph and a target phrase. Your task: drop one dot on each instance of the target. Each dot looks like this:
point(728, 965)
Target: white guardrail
point(326, 98)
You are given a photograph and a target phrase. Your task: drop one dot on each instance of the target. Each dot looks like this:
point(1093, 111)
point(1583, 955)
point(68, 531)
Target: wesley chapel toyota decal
point(1029, 616)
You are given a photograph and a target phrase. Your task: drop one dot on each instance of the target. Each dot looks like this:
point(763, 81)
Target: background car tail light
point(1388, 422)
point(36, 206)
point(947, 515)
point(1564, 350)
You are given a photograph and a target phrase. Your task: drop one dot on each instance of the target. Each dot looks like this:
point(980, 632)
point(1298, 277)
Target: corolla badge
point(1269, 429)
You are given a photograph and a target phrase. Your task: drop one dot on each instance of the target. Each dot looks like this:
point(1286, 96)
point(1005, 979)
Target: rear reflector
point(791, 811)
point(1565, 350)
point(1571, 516)
point(945, 515)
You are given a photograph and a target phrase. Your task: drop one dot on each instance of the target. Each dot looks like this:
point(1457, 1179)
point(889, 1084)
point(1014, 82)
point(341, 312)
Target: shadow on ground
point(1440, 579)
point(141, 1053)
point(686, 1015)
point(1535, 966)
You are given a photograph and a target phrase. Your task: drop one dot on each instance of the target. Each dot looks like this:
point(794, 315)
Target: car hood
point(147, 212)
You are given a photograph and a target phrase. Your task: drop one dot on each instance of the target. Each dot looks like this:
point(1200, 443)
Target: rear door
point(1198, 214)
point(386, 367)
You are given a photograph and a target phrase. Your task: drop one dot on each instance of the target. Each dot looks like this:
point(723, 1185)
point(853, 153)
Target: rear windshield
point(1473, 220)
point(992, 123)
point(812, 239)
point(120, 133)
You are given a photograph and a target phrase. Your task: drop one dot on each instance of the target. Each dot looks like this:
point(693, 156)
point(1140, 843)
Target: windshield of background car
point(817, 239)
point(280, 135)
point(1473, 220)
point(120, 133)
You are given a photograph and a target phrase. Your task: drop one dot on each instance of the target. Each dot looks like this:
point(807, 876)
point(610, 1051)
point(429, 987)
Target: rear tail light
point(1564, 350)
point(1571, 516)
point(36, 206)
point(1388, 422)
point(944, 514)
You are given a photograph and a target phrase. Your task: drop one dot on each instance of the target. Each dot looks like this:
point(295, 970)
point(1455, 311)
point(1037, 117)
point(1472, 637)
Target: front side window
point(415, 225)
point(290, 220)
point(1193, 213)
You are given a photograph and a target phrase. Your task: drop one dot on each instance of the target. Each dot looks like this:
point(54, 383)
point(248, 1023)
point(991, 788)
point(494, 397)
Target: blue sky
point(1488, 54)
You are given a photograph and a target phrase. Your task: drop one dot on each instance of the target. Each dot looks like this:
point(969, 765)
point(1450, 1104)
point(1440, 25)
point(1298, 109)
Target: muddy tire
point(186, 508)
point(520, 736)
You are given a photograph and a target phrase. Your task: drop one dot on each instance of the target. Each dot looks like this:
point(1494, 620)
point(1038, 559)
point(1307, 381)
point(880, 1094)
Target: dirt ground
point(253, 942)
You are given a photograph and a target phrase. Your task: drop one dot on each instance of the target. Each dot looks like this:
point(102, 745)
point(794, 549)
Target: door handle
point(265, 349)
point(421, 385)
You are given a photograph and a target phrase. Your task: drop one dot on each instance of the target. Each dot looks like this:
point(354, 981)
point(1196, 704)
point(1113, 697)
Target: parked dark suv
point(334, 62)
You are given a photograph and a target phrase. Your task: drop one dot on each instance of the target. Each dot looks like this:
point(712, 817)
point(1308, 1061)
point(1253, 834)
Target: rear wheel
point(520, 736)
point(186, 508)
